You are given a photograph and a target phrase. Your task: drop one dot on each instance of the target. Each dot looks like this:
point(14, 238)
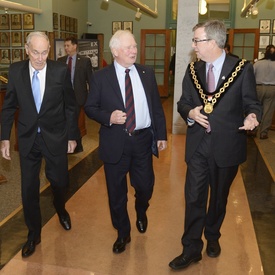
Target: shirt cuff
point(190, 121)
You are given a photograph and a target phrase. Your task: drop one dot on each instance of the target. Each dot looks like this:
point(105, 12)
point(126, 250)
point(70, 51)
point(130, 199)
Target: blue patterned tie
point(36, 90)
point(129, 102)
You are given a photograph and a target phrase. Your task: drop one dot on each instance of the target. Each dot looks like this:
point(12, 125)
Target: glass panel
point(238, 39)
point(249, 39)
point(248, 54)
point(160, 53)
point(149, 53)
point(150, 40)
point(159, 66)
point(150, 63)
point(159, 78)
point(160, 40)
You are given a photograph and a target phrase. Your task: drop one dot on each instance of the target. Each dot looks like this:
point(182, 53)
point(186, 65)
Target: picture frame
point(16, 21)
point(273, 40)
point(62, 23)
point(67, 23)
point(273, 29)
point(28, 21)
point(4, 21)
point(128, 25)
point(16, 55)
point(265, 25)
point(71, 24)
point(5, 56)
point(55, 21)
point(116, 25)
point(75, 25)
point(264, 41)
point(16, 39)
point(4, 39)
point(25, 36)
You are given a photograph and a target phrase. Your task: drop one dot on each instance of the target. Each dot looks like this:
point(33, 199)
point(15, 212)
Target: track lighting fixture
point(138, 14)
point(250, 8)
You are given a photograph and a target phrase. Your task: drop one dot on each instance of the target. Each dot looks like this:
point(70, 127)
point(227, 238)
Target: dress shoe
point(120, 244)
point(263, 136)
point(142, 224)
point(29, 248)
point(213, 249)
point(184, 260)
point(65, 220)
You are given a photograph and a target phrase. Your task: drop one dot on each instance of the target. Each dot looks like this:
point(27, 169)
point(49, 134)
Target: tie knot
point(35, 73)
point(127, 71)
point(211, 66)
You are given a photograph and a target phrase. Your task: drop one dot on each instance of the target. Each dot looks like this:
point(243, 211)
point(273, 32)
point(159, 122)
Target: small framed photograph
point(265, 25)
point(5, 56)
point(264, 41)
point(16, 21)
point(62, 23)
point(67, 23)
point(71, 24)
point(4, 21)
point(273, 30)
point(55, 21)
point(16, 39)
point(116, 25)
point(16, 55)
point(25, 37)
point(273, 40)
point(28, 21)
point(75, 26)
point(128, 25)
point(5, 39)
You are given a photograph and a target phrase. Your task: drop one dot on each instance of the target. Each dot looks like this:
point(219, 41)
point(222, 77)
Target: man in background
point(81, 73)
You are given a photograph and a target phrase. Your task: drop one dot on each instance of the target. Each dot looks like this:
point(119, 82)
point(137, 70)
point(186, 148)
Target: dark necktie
point(36, 90)
point(70, 64)
point(210, 85)
point(129, 102)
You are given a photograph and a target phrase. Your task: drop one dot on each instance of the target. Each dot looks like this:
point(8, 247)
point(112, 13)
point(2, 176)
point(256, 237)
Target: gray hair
point(214, 29)
point(116, 38)
point(40, 34)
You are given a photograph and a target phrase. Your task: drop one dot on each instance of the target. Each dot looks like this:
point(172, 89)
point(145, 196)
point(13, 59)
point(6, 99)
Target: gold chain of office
point(209, 102)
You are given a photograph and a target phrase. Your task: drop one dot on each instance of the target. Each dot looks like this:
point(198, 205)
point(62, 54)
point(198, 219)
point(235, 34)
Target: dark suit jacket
point(57, 117)
point(82, 77)
point(105, 97)
point(228, 142)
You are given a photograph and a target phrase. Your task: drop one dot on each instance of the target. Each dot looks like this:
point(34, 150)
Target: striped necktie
point(129, 102)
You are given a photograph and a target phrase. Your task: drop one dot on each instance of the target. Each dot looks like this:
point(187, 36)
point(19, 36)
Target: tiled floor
point(87, 248)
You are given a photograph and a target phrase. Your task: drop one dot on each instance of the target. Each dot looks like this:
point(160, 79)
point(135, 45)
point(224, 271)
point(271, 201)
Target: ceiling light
point(138, 14)
point(144, 7)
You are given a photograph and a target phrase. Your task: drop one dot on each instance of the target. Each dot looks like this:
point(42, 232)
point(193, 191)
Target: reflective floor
point(247, 232)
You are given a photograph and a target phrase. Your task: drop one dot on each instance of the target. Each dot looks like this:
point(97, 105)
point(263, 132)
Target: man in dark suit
point(218, 103)
point(121, 148)
point(81, 73)
point(41, 91)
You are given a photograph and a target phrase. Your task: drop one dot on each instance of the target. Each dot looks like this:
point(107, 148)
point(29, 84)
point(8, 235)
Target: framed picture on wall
point(116, 25)
point(28, 21)
point(62, 23)
point(16, 55)
point(128, 25)
point(263, 41)
point(25, 37)
point(5, 39)
point(55, 21)
point(4, 21)
point(273, 30)
point(273, 40)
point(16, 21)
point(5, 56)
point(265, 25)
point(16, 39)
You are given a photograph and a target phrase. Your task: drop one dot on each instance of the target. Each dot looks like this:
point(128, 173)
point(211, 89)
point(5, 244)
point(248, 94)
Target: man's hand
point(250, 122)
point(5, 149)
point(71, 146)
point(162, 144)
point(200, 118)
point(118, 117)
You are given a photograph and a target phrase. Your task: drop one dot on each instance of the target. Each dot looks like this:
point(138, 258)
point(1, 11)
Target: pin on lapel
point(223, 77)
point(143, 72)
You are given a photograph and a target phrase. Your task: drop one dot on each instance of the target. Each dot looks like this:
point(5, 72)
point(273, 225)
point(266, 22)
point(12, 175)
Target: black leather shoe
point(120, 244)
point(183, 261)
point(213, 249)
point(65, 220)
point(142, 224)
point(29, 248)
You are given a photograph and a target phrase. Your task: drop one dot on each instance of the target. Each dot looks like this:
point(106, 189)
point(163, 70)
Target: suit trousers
point(56, 170)
point(137, 160)
point(204, 176)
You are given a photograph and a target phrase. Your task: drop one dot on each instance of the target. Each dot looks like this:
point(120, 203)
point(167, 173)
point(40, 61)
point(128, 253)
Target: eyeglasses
point(195, 41)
